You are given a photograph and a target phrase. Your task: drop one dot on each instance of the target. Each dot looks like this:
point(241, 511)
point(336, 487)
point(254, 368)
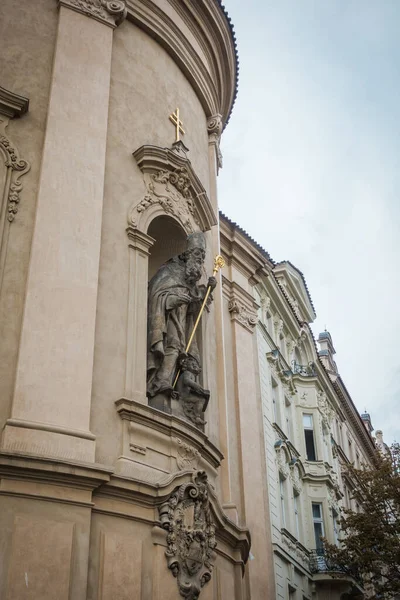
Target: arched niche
point(170, 240)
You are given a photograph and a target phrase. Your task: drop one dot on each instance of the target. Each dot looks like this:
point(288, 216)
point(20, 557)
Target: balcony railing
point(303, 370)
point(320, 563)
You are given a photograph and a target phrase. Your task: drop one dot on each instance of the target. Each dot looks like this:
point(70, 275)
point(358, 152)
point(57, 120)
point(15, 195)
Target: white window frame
point(318, 520)
point(308, 428)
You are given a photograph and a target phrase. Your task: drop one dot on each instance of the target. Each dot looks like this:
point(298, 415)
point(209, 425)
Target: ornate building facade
point(167, 428)
point(311, 428)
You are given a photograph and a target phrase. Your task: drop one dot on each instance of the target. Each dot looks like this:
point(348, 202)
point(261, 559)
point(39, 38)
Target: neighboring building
point(311, 431)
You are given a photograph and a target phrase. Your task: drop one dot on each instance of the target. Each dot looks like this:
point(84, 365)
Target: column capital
point(108, 12)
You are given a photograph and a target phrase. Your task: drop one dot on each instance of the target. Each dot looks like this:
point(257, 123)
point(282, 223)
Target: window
point(351, 458)
point(292, 592)
point(288, 419)
point(335, 517)
point(318, 525)
point(282, 494)
point(309, 437)
point(297, 517)
point(275, 398)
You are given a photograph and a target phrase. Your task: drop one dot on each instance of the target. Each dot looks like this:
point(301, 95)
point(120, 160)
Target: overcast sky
point(311, 171)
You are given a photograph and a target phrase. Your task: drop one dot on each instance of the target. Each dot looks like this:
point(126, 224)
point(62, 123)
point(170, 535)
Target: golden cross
point(174, 118)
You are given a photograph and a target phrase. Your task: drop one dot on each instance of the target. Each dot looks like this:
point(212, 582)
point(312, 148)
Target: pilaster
point(136, 357)
point(51, 404)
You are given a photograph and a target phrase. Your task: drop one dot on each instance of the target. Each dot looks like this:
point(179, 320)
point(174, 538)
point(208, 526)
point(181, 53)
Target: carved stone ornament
point(265, 303)
point(109, 12)
point(278, 325)
point(241, 314)
point(325, 408)
point(188, 457)
point(296, 478)
point(214, 128)
point(280, 369)
point(282, 458)
point(332, 501)
point(18, 168)
point(191, 535)
point(173, 188)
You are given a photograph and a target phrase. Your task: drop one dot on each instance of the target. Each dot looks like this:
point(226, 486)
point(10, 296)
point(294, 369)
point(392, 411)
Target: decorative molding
point(186, 516)
point(282, 371)
point(109, 12)
point(212, 71)
point(325, 408)
point(12, 105)
point(278, 326)
point(17, 166)
point(173, 188)
point(188, 457)
point(295, 475)
point(214, 128)
point(282, 458)
point(241, 313)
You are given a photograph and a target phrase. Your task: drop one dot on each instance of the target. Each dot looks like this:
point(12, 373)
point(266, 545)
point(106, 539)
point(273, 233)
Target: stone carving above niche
point(171, 191)
point(109, 12)
point(173, 188)
point(191, 543)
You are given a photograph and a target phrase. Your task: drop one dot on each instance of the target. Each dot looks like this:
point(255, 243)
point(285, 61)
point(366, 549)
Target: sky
point(312, 172)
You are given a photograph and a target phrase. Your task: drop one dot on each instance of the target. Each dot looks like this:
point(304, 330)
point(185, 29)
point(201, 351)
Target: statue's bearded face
point(194, 264)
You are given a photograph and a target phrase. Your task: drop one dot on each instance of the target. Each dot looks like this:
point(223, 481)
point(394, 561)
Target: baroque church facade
point(168, 426)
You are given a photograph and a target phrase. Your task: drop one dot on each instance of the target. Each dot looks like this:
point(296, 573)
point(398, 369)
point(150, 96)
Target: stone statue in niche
point(174, 302)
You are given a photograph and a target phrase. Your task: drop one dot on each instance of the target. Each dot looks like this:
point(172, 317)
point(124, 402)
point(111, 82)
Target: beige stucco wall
point(25, 70)
point(146, 86)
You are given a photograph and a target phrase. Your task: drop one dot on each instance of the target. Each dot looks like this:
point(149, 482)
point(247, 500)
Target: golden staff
point(219, 263)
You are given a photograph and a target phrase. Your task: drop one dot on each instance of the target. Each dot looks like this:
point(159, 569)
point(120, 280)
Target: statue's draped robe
point(172, 326)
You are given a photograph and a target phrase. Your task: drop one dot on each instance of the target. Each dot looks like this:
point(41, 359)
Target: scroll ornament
point(110, 12)
point(242, 314)
point(191, 542)
point(18, 168)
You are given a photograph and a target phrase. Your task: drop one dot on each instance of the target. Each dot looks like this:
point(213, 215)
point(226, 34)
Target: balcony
point(321, 565)
point(303, 370)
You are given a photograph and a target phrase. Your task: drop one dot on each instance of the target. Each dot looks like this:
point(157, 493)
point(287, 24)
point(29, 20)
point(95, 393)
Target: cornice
point(171, 426)
point(200, 39)
point(12, 105)
point(108, 12)
point(87, 476)
point(153, 495)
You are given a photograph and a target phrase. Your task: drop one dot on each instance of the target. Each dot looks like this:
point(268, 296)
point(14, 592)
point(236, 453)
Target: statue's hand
point(206, 393)
point(158, 350)
point(212, 283)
